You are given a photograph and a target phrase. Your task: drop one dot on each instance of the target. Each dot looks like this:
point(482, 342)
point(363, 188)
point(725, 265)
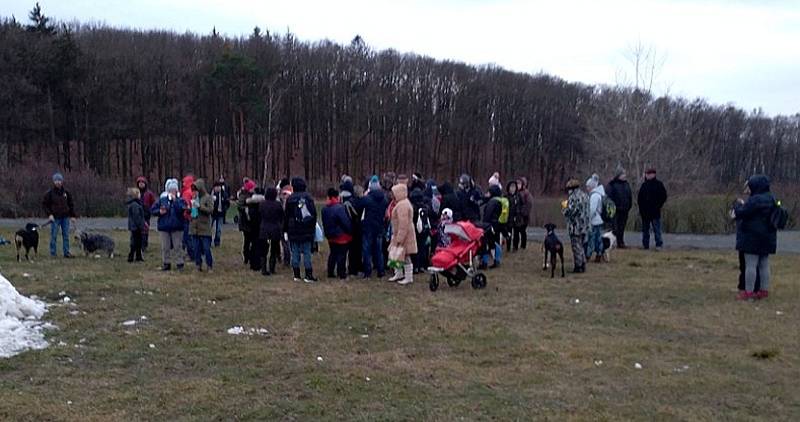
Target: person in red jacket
point(148, 199)
point(187, 196)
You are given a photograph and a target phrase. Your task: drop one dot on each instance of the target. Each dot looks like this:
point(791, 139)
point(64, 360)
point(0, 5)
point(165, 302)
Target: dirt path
point(788, 241)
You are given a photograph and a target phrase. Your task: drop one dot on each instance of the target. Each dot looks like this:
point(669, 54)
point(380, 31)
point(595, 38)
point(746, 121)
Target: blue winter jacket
point(173, 220)
point(373, 208)
point(754, 232)
point(335, 221)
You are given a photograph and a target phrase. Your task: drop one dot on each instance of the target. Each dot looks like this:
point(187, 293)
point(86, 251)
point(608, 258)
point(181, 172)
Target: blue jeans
point(498, 255)
point(217, 222)
point(656, 224)
point(188, 242)
point(371, 249)
point(595, 243)
point(298, 248)
point(202, 246)
point(64, 224)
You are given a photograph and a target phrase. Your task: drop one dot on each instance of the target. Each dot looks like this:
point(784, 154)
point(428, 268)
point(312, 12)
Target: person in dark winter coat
point(755, 235)
point(300, 224)
point(148, 198)
point(349, 199)
point(525, 208)
point(652, 197)
point(245, 225)
point(339, 232)
point(272, 217)
point(226, 197)
point(218, 216)
point(619, 191)
point(60, 210)
point(254, 223)
point(372, 207)
point(136, 224)
point(170, 210)
point(514, 215)
point(200, 227)
point(422, 228)
point(471, 199)
point(450, 201)
point(491, 217)
point(433, 200)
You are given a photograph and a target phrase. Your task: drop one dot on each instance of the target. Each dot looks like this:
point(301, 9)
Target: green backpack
point(505, 210)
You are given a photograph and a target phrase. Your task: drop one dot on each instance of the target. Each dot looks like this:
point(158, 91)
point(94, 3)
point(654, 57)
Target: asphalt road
point(788, 241)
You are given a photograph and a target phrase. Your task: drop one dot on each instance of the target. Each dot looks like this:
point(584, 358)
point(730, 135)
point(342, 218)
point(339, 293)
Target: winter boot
point(745, 295)
point(761, 294)
point(409, 275)
point(398, 275)
point(310, 276)
point(166, 267)
point(296, 271)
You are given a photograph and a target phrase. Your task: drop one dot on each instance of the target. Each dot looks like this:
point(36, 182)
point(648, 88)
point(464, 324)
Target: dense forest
point(118, 103)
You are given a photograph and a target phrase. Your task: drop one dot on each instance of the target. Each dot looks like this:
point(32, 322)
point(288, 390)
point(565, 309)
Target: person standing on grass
point(576, 212)
point(514, 204)
point(60, 209)
point(272, 217)
point(187, 194)
point(349, 199)
point(300, 223)
point(652, 197)
point(520, 235)
point(422, 230)
point(595, 241)
point(285, 191)
point(254, 226)
point(372, 207)
point(756, 237)
point(491, 217)
point(339, 232)
point(471, 199)
point(619, 191)
point(403, 230)
point(136, 224)
point(218, 215)
point(244, 218)
point(202, 207)
point(226, 198)
point(148, 198)
point(170, 210)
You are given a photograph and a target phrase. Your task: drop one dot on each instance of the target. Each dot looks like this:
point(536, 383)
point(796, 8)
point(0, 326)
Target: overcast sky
point(745, 52)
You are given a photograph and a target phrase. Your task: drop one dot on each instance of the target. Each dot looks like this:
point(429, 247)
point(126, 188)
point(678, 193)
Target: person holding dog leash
point(60, 209)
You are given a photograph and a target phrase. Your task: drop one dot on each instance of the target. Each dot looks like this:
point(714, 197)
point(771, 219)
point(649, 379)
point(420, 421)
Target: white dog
point(609, 244)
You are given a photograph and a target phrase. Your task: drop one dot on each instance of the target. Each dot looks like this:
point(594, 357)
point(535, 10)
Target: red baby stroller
point(455, 262)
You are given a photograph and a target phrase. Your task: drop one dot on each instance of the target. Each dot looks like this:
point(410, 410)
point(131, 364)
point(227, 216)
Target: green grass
point(521, 349)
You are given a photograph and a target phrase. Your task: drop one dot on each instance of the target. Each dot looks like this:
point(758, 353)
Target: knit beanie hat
point(619, 171)
point(249, 185)
point(172, 184)
point(374, 183)
point(58, 177)
point(593, 181)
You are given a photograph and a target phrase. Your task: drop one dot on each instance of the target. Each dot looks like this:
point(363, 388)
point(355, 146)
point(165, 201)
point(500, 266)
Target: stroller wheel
point(479, 281)
point(434, 283)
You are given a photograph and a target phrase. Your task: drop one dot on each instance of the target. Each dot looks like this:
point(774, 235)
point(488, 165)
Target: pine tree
point(39, 22)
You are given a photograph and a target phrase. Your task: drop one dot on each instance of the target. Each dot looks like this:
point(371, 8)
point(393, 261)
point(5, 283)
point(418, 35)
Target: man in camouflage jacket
point(576, 212)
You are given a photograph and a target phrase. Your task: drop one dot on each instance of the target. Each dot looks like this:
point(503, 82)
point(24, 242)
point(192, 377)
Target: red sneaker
point(762, 294)
point(745, 295)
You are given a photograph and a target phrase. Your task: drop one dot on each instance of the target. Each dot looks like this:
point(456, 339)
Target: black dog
point(552, 247)
point(27, 238)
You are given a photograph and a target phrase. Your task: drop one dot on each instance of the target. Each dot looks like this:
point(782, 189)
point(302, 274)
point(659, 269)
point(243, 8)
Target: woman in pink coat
point(403, 233)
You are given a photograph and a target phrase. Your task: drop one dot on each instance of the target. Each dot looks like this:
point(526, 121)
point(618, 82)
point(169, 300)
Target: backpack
point(608, 209)
point(504, 211)
point(779, 217)
point(302, 214)
point(423, 224)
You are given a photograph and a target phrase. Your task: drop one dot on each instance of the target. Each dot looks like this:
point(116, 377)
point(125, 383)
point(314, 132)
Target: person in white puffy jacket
point(595, 241)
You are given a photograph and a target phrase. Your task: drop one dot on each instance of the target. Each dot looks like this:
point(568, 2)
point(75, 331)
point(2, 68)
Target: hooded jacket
point(148, 197)
point(596, 205)
point(423, 209)
point(298, 231)
point(450, 200)
point(577, 212)
point(272, 216)
point(254, 216)
point(754, 232)
point(525, 202)
point(373, 209)
point(514, 204)
point(201, 226)
point(620, 192)
point(336, 223)
point(186, 194)
point(493, 209)
point(403, 233)
point(172, 220)
point(651, 198)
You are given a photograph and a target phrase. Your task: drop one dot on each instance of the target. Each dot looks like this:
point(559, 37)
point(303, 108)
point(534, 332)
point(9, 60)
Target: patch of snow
point(129, 322)
point(236, 330)
point(20, 324)
point(239, 330)
point(26, 275)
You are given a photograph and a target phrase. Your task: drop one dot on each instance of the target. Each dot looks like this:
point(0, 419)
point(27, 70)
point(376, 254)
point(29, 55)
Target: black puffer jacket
point(272, 216)
point(754, 232)
point(298, 230)
point(619, 191)
point(450, 200)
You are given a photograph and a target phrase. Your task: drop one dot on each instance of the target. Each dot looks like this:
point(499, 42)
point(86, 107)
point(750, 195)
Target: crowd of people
point(396, 222)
